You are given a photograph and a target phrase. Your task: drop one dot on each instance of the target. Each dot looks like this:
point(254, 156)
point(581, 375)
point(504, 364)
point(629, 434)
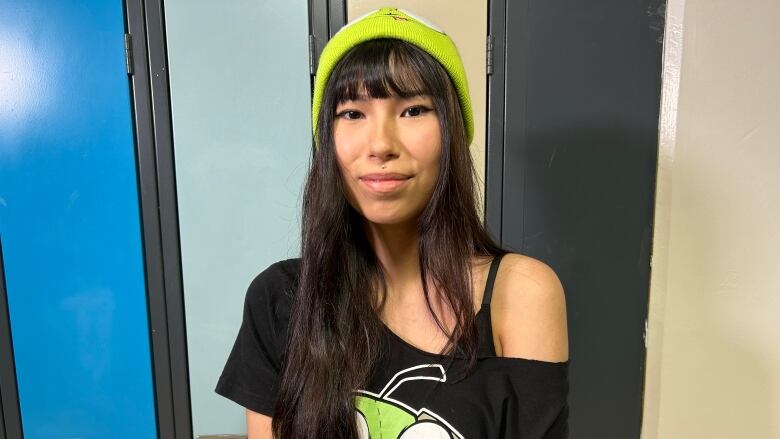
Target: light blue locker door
point(242, 141)
point(69, 219)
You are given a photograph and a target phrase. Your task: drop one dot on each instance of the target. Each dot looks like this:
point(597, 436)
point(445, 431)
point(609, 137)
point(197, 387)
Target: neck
point(395, 246)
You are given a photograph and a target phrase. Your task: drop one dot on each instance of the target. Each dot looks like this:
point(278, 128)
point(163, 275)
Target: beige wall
point(713, 367)
point(465, 21)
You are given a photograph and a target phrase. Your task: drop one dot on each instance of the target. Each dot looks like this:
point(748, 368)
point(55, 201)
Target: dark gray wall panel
point(582, 100)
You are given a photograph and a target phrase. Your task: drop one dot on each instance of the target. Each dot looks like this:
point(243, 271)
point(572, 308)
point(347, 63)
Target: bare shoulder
point(528, 311)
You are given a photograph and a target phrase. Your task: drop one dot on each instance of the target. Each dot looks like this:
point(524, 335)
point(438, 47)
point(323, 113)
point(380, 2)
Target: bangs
point(381, 69)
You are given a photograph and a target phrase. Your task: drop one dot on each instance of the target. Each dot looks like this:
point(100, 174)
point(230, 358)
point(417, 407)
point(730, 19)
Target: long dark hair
point(335, 330)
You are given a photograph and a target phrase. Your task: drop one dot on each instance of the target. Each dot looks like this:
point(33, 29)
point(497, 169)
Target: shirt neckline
point(484, 308)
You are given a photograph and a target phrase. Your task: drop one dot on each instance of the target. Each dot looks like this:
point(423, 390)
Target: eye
point(425, 430)
point(416, 111)
point(362, 426)
point(350, 115)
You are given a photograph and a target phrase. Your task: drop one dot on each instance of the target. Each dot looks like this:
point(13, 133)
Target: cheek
point(427, 154)
point(424, 140)
point(431, 178)
point(345, 160)
point(346, 146)
point(427, 149)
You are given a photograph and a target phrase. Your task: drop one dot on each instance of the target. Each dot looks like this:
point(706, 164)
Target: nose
point(384, 144)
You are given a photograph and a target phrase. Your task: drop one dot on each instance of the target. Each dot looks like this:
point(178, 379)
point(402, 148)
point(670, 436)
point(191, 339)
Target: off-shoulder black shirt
point(412, 393)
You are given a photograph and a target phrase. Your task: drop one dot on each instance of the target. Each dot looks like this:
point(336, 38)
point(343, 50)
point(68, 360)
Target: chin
point(387, 218)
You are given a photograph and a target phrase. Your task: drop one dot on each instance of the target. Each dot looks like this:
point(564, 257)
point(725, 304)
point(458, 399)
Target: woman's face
point(402, 134)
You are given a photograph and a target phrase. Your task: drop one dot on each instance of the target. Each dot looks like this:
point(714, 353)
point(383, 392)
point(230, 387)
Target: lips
point(384, 182)
point(385, 176)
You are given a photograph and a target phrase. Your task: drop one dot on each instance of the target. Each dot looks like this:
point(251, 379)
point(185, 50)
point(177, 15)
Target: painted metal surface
point(70, 222)
point(581, 139)
point(242, 142)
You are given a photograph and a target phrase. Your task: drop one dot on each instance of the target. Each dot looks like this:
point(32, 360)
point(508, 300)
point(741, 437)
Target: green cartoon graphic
point(379, 416)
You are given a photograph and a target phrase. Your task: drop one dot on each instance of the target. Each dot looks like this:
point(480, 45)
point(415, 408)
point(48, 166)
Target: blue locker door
point(69, 220)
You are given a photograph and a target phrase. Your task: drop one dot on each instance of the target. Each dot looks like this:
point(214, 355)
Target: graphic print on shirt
point(379, 416)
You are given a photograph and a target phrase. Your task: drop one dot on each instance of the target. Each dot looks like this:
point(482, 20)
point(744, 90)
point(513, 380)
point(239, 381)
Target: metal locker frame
point(148, 69)
point(10, 414)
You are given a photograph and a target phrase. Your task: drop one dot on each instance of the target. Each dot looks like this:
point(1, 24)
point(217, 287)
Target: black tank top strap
point(488, 294)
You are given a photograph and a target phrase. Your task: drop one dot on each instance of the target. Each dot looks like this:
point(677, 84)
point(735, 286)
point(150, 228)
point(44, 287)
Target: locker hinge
point(489, 53)
point(129, 53)
point(644, 334)
point(311, 54)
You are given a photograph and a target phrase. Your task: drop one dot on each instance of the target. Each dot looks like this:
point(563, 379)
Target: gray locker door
point(574, 104)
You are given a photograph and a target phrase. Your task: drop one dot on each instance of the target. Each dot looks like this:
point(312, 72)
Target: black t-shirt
point(412, 393)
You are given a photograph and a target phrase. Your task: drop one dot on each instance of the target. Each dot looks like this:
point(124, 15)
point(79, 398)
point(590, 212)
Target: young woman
point(402, 318)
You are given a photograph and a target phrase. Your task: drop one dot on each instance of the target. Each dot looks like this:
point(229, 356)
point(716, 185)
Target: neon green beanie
point(398, 24)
